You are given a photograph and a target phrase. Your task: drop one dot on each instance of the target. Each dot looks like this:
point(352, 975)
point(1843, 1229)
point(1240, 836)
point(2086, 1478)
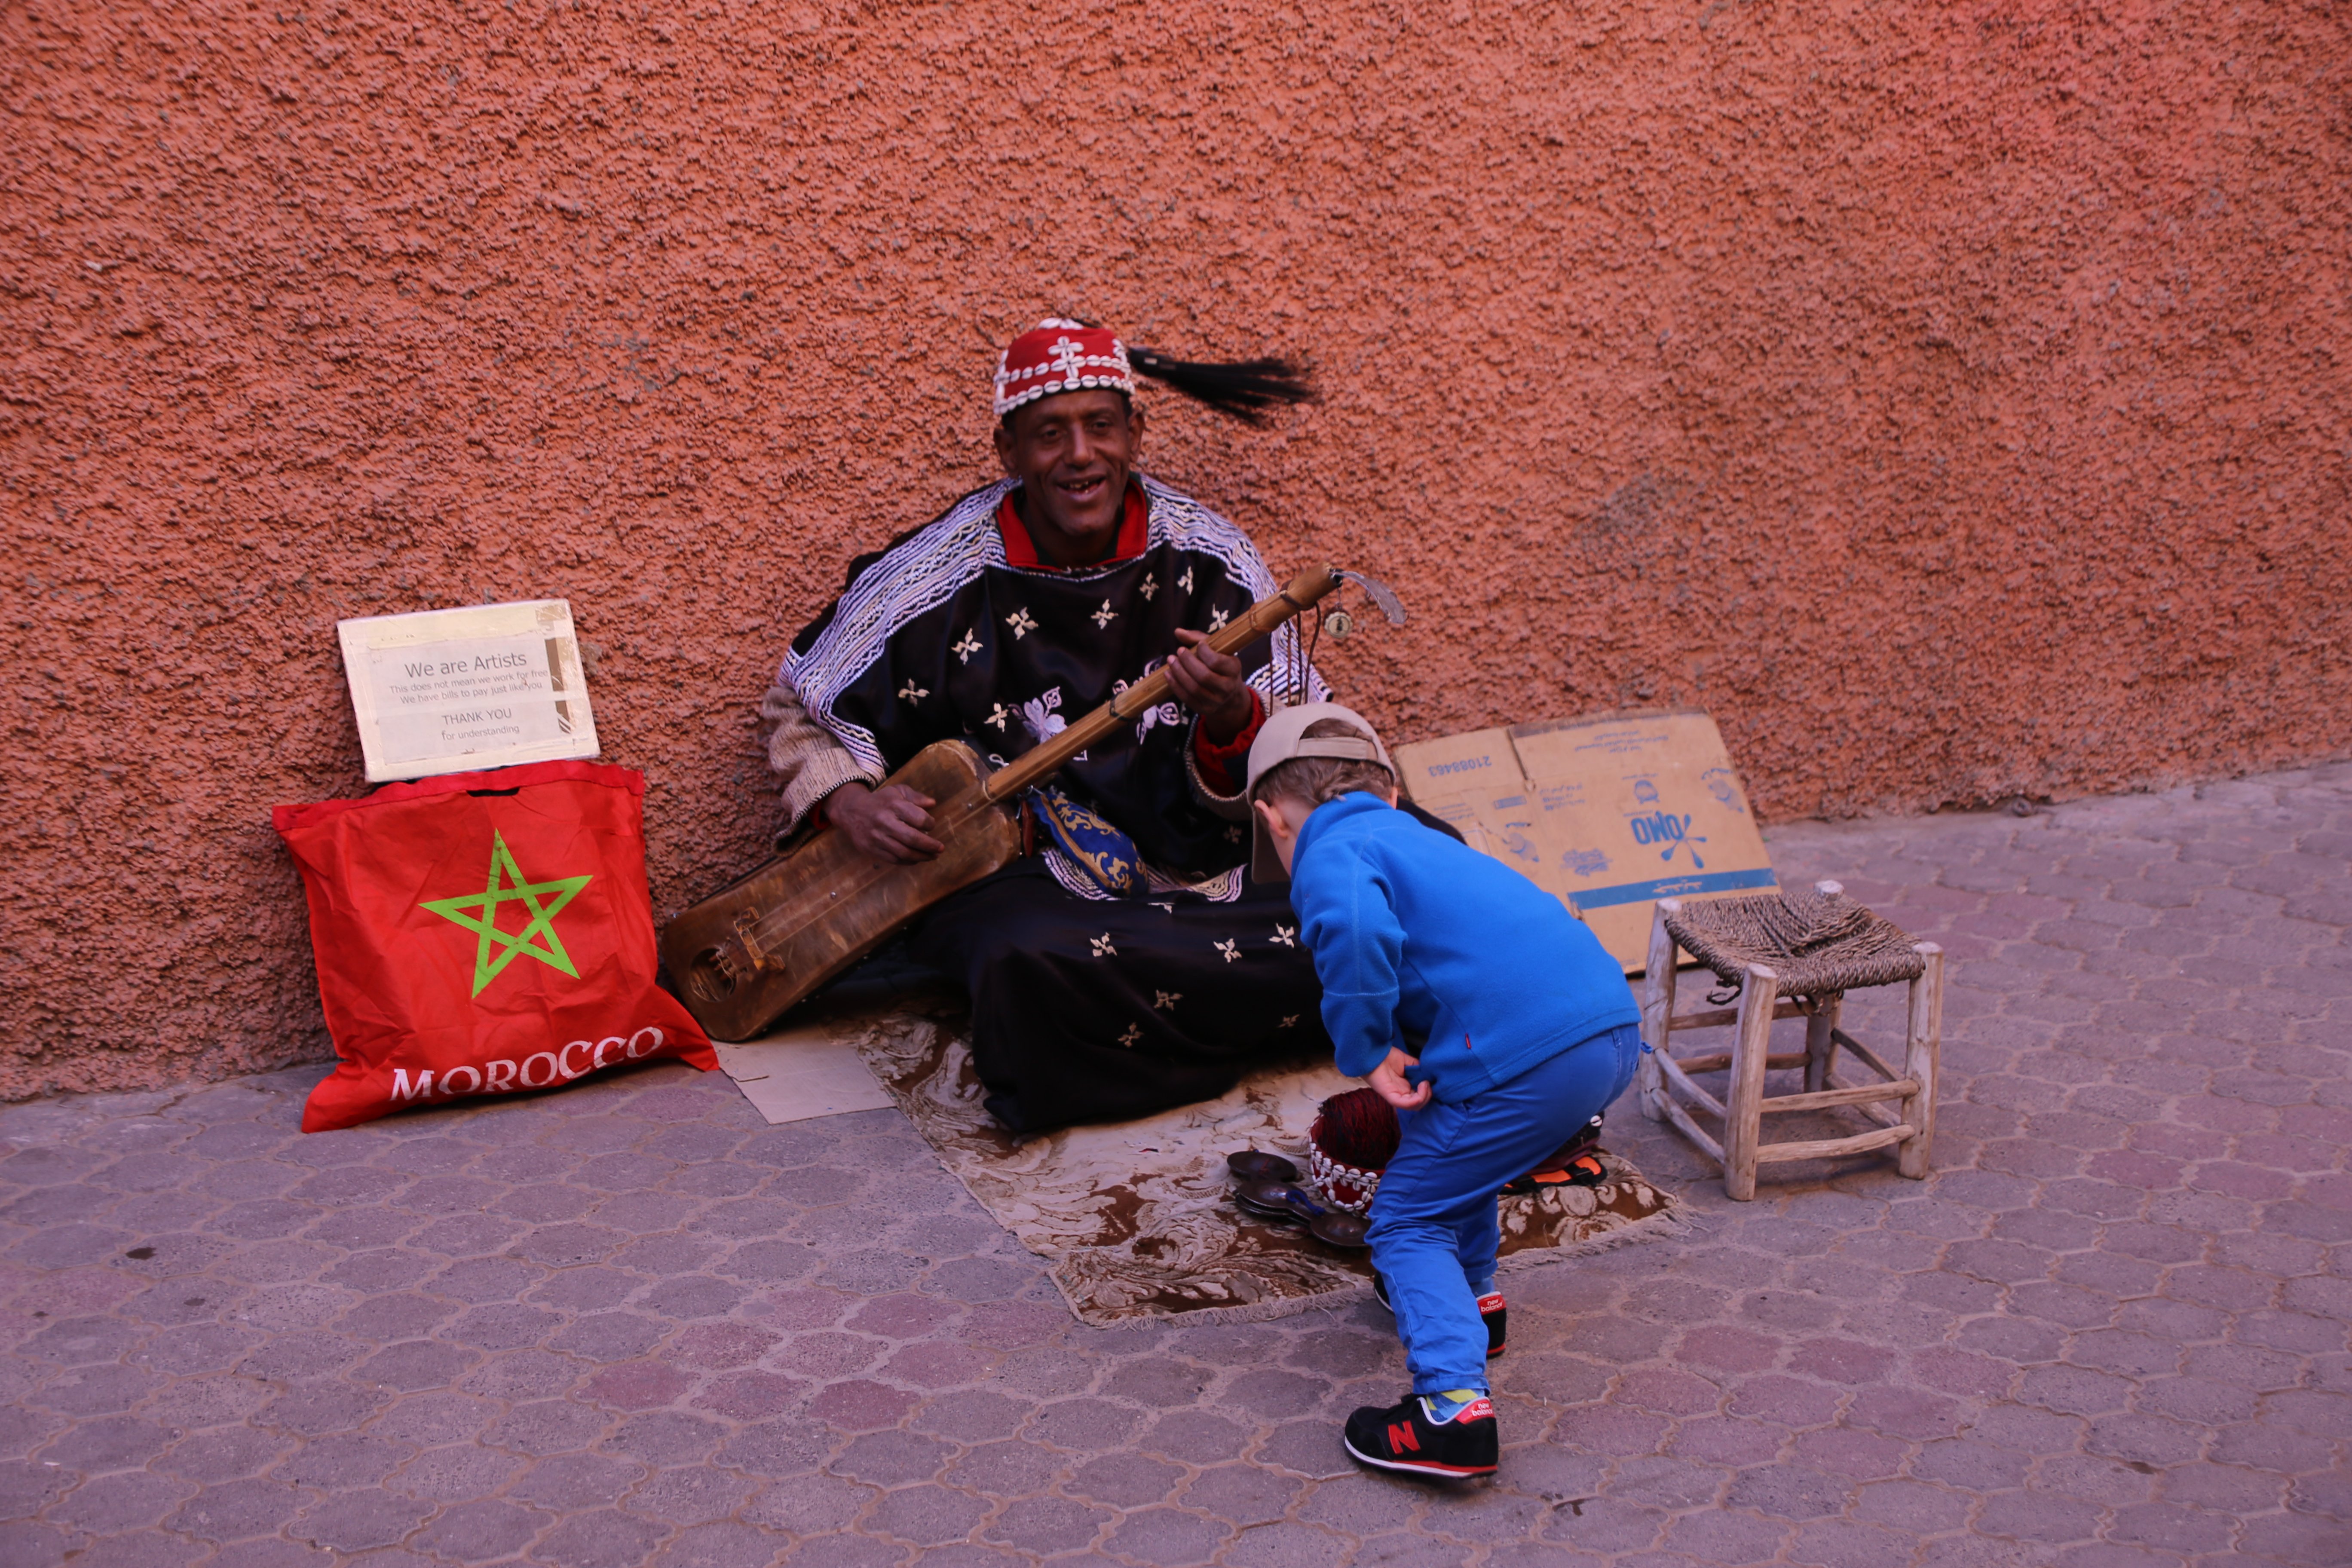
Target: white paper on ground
point(801, 1074)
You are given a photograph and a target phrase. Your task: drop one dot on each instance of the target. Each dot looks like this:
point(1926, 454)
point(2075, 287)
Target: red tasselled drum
point(1354, 1136)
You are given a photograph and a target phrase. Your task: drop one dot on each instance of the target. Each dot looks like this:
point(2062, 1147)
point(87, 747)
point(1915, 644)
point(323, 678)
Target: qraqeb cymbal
point(1282, 1200)
point(1257, 1165)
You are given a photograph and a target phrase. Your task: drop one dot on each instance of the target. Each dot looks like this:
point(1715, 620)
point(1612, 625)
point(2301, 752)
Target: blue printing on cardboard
point(1673, 888)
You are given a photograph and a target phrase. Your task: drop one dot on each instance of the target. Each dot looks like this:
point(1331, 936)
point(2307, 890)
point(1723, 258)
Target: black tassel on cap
point(1245, 389)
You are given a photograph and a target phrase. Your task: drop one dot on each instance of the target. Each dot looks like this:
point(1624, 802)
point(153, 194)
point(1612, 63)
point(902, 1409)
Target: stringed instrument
point(742, 956)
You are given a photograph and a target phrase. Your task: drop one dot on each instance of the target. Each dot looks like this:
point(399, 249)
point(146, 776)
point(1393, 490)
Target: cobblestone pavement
point(629, 1324)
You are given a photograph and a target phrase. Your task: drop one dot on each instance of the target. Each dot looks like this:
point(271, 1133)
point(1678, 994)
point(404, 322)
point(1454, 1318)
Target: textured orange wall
point(1951, 397)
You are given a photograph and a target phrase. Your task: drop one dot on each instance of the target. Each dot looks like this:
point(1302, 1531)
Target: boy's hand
point(1388, 1081)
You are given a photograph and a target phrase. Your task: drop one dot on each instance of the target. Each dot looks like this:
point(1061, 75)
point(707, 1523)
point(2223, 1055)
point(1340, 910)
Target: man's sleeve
point(1358, 949)
point(1218, 772)
point(813, 765)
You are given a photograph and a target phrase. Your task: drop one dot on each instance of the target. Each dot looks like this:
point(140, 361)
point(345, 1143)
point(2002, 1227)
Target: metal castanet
point(745, 954)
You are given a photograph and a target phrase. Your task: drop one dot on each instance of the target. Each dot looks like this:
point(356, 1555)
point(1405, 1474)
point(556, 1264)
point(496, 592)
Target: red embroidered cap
point(1058, 355)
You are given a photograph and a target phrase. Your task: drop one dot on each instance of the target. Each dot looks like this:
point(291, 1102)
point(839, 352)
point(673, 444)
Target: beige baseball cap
point(1283, 737)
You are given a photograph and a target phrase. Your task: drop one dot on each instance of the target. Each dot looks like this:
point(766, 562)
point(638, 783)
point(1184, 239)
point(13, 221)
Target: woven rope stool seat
point(1790, 955)
point(1813, 941)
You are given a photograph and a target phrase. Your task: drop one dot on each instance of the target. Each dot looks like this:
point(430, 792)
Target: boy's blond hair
point(1311, 781)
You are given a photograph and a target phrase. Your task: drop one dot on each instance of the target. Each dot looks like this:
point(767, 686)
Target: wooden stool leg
point(1744, 1096)
point(1922, 1045)
point(1657, 1012)
point(1820, 1050)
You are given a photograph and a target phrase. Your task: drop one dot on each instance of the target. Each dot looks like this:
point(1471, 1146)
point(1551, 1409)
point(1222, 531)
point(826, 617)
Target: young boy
point(1474, 1004)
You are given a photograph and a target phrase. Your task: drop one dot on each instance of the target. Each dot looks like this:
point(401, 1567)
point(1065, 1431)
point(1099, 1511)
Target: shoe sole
point(1421, 1467)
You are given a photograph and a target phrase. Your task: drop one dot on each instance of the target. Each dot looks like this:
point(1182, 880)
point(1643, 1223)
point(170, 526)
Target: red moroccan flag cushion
point(482, 933)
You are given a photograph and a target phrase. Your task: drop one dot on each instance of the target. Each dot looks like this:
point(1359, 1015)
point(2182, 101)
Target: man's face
point(1073, 453)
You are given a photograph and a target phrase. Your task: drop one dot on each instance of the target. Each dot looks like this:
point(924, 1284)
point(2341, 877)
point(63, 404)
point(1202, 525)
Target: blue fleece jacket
point(1416, 936)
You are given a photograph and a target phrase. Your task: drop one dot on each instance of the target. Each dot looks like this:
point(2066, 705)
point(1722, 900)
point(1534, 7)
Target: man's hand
point(891, 824)
point(1388, 1081)
point(1210, 683)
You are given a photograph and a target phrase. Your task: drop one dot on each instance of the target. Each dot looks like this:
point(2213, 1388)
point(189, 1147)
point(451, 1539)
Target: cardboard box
point(1608, 814)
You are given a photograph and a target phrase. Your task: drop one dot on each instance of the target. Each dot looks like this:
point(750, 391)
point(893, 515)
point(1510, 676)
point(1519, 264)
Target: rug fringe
point(1671, 1222)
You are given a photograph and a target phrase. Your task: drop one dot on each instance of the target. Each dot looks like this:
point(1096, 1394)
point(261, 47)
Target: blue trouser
point(1435, 1231)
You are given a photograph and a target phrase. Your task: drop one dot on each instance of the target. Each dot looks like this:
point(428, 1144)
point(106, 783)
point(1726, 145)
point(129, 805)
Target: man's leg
point(1098, 1010)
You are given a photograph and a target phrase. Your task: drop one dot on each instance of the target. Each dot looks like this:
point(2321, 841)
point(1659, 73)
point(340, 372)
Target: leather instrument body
point(742, 956)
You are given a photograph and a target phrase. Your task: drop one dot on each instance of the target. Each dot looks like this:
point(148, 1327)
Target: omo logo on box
point(1671, 830)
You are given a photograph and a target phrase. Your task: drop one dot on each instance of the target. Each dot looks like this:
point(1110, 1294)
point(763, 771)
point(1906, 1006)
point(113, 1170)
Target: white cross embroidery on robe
point(910, 692)
point(1217, 620)
point(1286, 935)
point(1185, 582)
point(1020, 624)
point(1231, 948)
point(1168, 1000)
point(1103, 948)
point(1149, 587)
point(1134, 1033)
point(1288, 1020)
point(1105, 616)
point(999, 716)
point(964, 650)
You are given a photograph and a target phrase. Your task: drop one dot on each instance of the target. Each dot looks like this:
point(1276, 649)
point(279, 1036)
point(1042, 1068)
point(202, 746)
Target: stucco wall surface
point(1951, 397)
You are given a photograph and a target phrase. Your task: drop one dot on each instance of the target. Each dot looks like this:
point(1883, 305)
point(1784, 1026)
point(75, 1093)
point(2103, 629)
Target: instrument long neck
point(1042, 761)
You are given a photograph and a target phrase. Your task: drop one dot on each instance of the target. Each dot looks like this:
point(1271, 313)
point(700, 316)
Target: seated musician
point(1129, 965)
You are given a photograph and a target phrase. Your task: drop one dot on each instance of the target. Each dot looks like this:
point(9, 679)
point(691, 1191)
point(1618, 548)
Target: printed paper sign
point(443, 690)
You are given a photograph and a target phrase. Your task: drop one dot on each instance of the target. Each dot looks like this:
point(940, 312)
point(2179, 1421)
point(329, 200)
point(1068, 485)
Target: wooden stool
point(1791, 956)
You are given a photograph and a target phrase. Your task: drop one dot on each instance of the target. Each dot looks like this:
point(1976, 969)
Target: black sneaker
point(1403, 1437)
point(1495, 1315)
point(1491, 1312)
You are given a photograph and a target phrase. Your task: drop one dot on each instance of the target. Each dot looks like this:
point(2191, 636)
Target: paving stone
point(1166, 1538)
point(630, 1324)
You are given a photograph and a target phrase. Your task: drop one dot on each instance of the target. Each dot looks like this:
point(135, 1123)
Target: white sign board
point(445, 690)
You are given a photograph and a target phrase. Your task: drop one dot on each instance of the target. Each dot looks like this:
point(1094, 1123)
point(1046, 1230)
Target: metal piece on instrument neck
point(1379, 594)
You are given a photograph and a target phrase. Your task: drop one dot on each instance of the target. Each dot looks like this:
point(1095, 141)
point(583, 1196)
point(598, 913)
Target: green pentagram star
point(485, 924)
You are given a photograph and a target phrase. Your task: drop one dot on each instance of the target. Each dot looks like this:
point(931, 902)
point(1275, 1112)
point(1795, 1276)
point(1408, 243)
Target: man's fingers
point(909, 831)
point(1200, 685)
point(1201, 657)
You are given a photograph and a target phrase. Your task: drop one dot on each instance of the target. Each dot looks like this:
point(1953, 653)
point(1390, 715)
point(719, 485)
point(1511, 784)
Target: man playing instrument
point(1129, 965)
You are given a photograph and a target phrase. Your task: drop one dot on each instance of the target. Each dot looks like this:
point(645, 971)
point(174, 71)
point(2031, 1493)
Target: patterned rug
point(1137, 1218)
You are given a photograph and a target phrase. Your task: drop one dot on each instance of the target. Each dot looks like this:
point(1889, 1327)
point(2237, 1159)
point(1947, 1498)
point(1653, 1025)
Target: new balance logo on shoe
point(1402, 1437)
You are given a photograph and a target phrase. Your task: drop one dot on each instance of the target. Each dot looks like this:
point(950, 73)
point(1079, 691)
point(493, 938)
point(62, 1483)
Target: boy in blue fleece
point(1474, 1004)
